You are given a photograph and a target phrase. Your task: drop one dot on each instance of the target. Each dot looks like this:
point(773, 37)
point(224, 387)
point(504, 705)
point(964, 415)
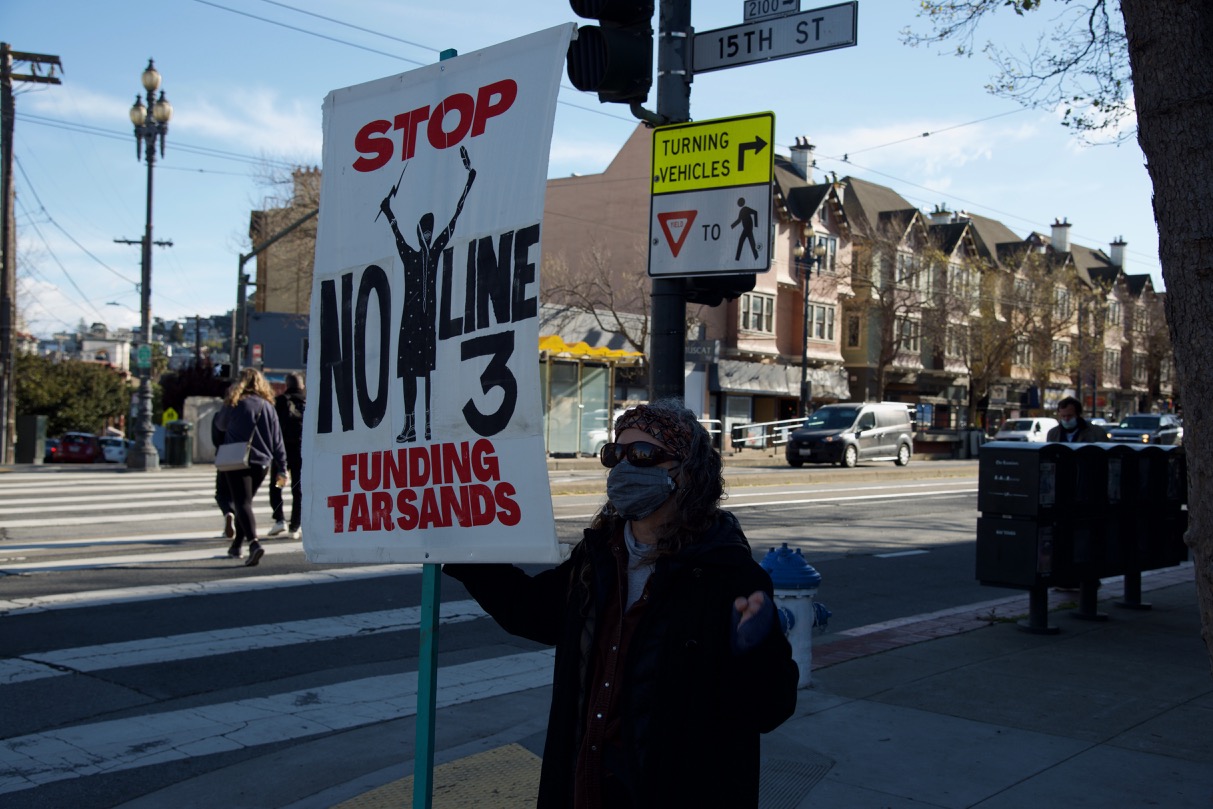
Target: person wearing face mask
point(1072, 427)
point(669, 659)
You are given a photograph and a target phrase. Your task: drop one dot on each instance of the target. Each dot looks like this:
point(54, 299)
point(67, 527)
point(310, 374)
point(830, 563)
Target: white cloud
point(262, 122)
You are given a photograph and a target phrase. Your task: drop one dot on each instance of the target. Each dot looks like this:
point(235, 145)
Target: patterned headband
point(658, 423)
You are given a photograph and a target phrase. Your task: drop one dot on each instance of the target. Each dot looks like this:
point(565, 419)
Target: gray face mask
point(638, 491)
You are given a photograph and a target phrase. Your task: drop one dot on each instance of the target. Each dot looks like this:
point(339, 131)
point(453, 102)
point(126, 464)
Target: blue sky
point(246, 81)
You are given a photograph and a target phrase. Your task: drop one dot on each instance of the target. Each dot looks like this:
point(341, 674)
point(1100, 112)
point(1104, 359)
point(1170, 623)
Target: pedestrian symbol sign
point(676, 225)
point(710, 206)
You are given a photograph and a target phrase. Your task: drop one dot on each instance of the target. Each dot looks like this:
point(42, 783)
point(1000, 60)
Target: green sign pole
point(427, 688)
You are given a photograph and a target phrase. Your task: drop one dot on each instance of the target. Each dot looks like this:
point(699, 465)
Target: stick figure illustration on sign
point(747, 218)
point(417, 349)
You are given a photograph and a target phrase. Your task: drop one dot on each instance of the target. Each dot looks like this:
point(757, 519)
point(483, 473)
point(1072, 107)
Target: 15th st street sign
point(820, 29)
point(710, 210)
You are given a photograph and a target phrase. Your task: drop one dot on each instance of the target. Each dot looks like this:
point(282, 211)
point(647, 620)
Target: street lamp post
point(151, 127)
point(805, 261)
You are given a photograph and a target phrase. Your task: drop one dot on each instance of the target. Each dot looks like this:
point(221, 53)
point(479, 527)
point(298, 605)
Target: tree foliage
point(590, 288)
point(1080, 66)
point(196, 380)
point(72, 394)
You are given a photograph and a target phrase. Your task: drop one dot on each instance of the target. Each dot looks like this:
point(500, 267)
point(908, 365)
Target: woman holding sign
point(669, 658)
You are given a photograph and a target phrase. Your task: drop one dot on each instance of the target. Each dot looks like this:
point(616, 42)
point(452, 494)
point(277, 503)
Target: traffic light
point(614, 58)
point(712, 290)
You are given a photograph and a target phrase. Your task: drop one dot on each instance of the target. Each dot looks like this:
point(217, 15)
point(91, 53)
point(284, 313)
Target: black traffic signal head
point(615, 58)
point(713, 290)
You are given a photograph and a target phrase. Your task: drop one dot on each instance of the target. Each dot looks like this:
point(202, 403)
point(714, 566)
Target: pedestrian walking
point(669, 659)
point(289, 406)
point(1072, 427)
point(253, 421)
point(223, 497)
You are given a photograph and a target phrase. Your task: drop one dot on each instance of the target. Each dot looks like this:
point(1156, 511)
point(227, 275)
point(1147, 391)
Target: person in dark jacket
point(223, 498)
point(1072, 427)
point(289, 406)
point(669, 658)
point(252, 420)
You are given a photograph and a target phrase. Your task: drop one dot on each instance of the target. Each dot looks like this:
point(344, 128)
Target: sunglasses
point(637, 453)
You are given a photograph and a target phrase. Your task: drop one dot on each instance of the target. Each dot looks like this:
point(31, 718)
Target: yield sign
point(676, 225)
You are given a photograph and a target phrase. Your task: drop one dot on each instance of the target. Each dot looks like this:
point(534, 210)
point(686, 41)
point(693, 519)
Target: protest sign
point(423, 437)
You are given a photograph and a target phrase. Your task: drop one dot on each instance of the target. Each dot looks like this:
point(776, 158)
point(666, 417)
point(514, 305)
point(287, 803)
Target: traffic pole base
point(1037, 622)
point(1035, 629)
point(1134, 605)
point(1088, 600)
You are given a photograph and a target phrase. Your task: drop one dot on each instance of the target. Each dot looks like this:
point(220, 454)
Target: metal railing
point(763, 434)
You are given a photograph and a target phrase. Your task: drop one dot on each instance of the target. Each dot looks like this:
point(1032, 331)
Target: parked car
point(598, 428)
point(1148, 428)
point(114, 449)
point(854, 431)
point(50, 452)
point(79, 448)
point(1033, 430)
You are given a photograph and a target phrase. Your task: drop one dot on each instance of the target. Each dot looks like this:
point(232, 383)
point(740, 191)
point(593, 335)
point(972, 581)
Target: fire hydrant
point(796, 584)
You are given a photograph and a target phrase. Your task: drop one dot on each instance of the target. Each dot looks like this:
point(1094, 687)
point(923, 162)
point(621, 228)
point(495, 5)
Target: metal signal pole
point(668, 339)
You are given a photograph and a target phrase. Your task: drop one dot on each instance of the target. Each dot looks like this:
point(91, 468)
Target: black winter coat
point(692, 708)
point(289, 407)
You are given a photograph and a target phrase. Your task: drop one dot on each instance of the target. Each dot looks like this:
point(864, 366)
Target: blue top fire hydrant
point(796, 583)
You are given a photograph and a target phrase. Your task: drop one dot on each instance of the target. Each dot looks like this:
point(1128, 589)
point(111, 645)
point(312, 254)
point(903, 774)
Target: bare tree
point(1081, 66)
point(891, 278)
point(616, 302)
point(1171, 68)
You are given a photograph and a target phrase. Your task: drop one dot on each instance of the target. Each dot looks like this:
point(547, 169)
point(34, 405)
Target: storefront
point(756, 392)
point(578, 393)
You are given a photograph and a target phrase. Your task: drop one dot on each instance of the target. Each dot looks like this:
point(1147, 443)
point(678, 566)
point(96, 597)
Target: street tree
point(891, 279)
point(585, 285)
point(72, 394)
point(1162, 52)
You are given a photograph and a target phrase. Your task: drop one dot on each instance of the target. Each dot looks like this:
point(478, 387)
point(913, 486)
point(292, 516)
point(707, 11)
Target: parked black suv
point(854, 431)
point(1147, 428)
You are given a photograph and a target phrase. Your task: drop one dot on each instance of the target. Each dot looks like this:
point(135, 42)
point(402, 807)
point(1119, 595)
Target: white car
point(1034, 430)
point(114, 449)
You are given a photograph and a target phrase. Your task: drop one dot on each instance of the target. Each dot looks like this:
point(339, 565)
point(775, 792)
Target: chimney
point(1118, 252)
point(941, 215)
point(1061, 235)
point(802, 157)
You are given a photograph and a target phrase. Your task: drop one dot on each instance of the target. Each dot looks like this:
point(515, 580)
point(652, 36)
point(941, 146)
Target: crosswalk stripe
point(50, 520)
point(127, 595)
point(188, 646)
point(105, 502)
point(130, 559)
point(123, 744)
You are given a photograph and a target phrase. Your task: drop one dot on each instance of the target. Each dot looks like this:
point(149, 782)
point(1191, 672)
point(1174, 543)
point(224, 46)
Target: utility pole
point(8, 232)
point(669, 306)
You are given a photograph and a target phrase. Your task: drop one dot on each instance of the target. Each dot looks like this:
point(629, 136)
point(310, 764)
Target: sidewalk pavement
point(953, 709)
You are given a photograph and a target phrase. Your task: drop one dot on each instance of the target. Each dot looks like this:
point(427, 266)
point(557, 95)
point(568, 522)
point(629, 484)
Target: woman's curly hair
point(700, 479)
point(250, 383)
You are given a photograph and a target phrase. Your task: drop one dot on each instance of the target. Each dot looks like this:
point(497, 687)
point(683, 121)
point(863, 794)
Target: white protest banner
point(423, 433)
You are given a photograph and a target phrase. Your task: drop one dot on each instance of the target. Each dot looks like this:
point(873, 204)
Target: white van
point(1034, 429)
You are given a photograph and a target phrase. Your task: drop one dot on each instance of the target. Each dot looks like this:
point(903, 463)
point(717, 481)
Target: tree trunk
point(1171, 54)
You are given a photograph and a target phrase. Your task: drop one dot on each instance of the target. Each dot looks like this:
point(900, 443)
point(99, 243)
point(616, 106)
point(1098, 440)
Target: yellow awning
point(555, 345)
